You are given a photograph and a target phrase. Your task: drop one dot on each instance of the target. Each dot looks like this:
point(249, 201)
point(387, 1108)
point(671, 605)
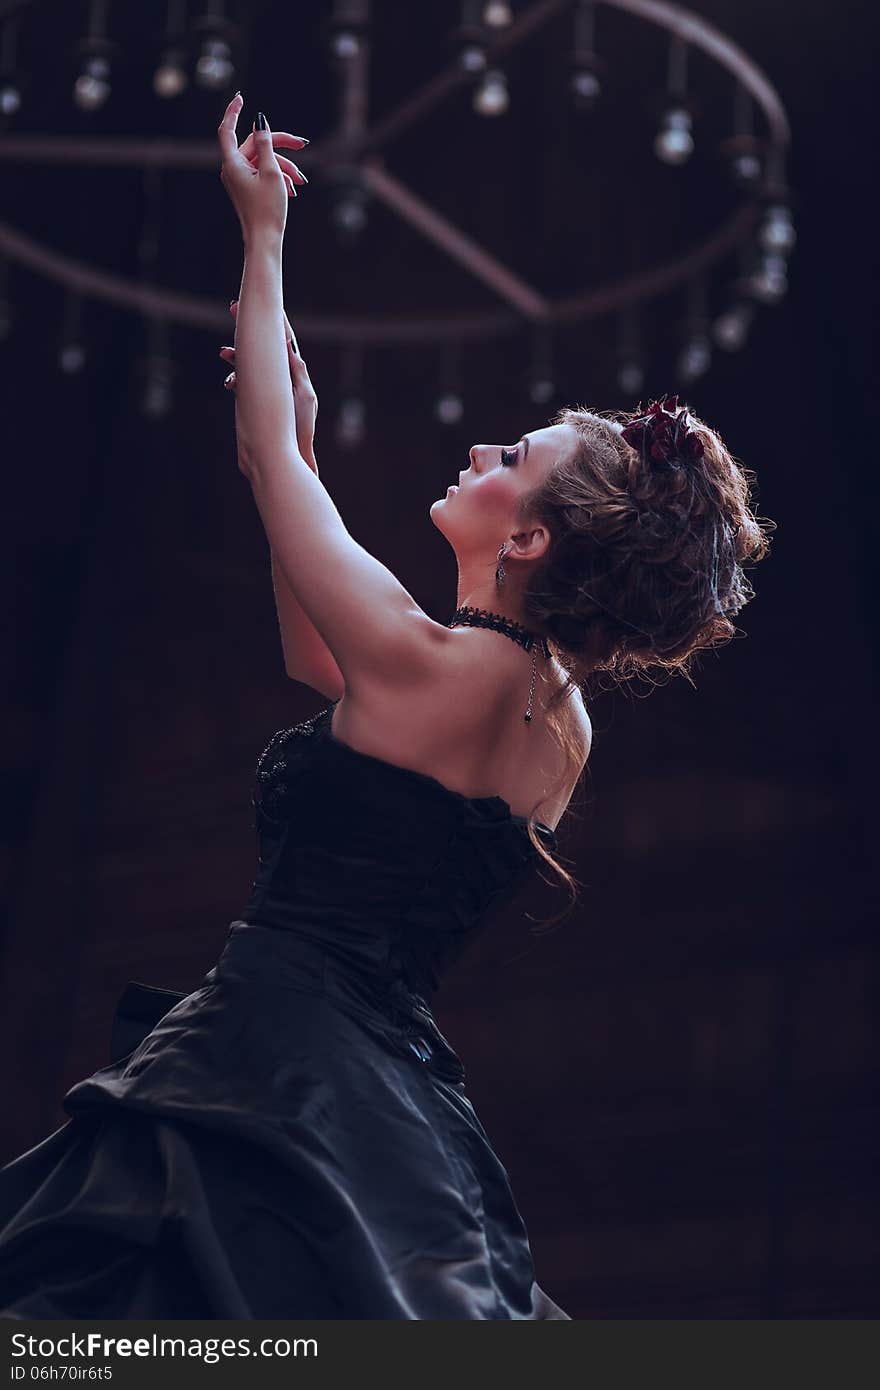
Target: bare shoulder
point(456, 714)
point(418, 689)
point(582, 721)
point(576, 720)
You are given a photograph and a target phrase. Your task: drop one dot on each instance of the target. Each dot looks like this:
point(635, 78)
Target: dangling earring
point(500, 571)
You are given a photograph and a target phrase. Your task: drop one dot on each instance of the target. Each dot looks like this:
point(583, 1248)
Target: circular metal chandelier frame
point(358, 145)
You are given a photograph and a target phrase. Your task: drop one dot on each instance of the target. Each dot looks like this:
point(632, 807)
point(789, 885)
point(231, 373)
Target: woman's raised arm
point(307, 657)
point(372, 625)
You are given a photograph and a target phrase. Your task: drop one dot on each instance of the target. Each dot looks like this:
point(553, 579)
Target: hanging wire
point(542, 376)
point(96, 27)
point(676, 73)
point(351, 419)
point(697, 352)
point(215, 67)
point(731, 328)
point(449, 405)
point(630, 372)
point(171, 77)
point(72, 350)
point(157, 366)
point(10, 81)
point(92, 86)
point(585, 85)
point(157, 397)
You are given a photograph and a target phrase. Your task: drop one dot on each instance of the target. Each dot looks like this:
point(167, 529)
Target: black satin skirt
point(282, 1142)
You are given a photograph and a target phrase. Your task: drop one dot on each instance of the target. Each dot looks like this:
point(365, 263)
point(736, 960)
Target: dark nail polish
point(262, 123)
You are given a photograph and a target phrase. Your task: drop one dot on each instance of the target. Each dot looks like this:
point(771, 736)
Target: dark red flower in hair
point(664, 434)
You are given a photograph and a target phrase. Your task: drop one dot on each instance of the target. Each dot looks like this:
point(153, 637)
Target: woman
point(293, 1138)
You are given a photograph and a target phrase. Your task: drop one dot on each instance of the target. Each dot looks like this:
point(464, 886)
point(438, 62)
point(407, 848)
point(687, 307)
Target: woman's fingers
point(229, 381)
point(286, 165)
point(293, 169)
point(280, 140)
point(297, 365)
point(299, 376)
point(288, 178)
point(226, 133)
point(298, 369)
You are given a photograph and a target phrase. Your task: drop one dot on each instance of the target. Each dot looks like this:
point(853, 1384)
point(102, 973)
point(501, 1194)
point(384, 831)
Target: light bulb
point(695, 359)
point(449, 408)
point(747, 167)
point(92, 87)
point(10, 99)
point(345, 44)
point(156, 400)
point(350, 422)
point(585, 87)
point(215, 68)
point(491, 97)
point(472, 58)
point(675, 144)
point(777, 230)
point(497, 14)
point(768, 282)
point(72, 358)
point(349, 214)
point(731, 328)
point(542, 388)
point(630, 378)
point(170, 78)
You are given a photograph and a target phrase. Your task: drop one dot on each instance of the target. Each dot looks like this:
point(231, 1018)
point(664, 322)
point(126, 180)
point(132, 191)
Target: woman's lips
point(453, 487)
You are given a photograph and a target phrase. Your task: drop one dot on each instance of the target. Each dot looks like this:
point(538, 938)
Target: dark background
point(679, 1080)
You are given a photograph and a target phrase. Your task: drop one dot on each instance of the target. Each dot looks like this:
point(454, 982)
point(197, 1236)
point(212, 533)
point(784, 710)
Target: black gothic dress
point(293, 1138)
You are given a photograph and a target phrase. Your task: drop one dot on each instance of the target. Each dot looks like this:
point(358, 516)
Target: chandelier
point(202, 45)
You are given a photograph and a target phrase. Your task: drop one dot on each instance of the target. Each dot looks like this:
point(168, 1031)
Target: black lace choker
point(479, 617)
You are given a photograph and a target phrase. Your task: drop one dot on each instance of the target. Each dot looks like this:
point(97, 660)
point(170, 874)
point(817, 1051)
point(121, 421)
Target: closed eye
point(508, 457)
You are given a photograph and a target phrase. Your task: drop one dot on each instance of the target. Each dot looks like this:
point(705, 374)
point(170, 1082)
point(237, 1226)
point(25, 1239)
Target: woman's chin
point(437, 513)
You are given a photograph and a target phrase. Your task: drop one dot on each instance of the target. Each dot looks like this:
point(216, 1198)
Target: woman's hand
point(305, 400)
point(281, 140)
point(257, 180)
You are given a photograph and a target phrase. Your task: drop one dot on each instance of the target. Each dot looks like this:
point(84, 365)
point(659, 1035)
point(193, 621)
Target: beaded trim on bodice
point(270, 770)
point(273, 765)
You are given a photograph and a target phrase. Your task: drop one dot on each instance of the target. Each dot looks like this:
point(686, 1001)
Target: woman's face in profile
point(479, 510)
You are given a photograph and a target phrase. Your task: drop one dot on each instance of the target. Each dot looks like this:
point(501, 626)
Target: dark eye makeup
point(508, 457)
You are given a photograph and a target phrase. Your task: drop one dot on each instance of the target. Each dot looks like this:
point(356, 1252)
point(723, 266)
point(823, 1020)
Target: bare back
point(460, 721)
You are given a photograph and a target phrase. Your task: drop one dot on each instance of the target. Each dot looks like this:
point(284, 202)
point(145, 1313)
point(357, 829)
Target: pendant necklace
point(479, 617)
